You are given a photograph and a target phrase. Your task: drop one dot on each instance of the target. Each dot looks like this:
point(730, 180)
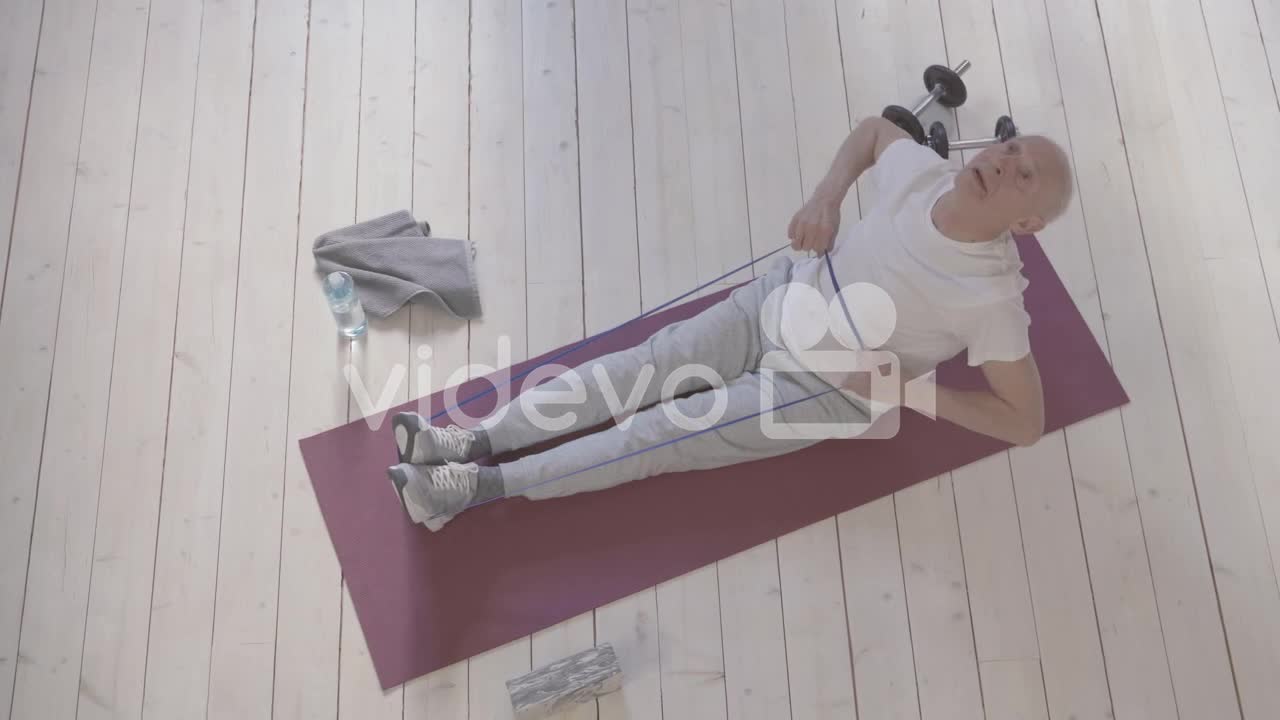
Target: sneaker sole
point(406, 429)
point(398, 482)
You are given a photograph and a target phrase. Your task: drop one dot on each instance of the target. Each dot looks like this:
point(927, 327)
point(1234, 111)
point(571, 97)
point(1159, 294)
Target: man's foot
point(421, 443)
point(433, 495)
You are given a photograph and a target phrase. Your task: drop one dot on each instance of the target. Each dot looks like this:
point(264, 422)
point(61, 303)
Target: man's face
point(1021, 182)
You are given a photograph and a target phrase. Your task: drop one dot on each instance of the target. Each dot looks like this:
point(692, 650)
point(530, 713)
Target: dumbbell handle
point(927, 100)
point(973, 144)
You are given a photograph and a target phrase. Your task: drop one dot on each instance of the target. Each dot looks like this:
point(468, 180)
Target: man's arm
point(815, 225)
point(1012, 411)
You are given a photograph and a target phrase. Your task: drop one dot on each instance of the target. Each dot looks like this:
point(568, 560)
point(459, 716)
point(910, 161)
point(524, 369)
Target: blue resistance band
point(848, 317)
point(597, 336)
point(673, 441)
point(835, 287)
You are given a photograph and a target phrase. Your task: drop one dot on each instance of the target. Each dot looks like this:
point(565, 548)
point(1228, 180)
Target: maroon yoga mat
point(507, 569)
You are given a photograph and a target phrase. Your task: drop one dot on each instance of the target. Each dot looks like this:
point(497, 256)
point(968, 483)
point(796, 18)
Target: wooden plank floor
point(166, 164)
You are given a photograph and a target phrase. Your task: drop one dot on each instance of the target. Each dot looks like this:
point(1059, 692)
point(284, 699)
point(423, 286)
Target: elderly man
point(937, 241)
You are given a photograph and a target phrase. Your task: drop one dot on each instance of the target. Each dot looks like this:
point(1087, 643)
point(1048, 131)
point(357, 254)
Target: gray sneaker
point(421, 443)
point(434, 494)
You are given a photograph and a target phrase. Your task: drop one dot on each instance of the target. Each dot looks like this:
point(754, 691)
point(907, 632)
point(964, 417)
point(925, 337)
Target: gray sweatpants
point(728, 339)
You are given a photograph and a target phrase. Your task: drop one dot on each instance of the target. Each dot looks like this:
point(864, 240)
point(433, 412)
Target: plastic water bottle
point(340, 290)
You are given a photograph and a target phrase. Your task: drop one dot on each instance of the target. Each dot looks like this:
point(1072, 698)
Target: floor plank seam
point(165, 442)
point(235, 311)
point(1244, 193)
point(968, 599)
point(22, 156)
point(1173, 381)
point(1257, 246)
point(844, 606)
point(13, 223)
point(1106, 348)
point(906, 604)
point(746, 186)
point(35, 505)
point(293, 335)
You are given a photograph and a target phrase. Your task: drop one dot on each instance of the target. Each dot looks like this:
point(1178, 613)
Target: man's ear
point(1028, 225)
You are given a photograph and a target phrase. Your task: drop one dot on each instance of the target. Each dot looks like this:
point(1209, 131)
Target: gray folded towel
point(394, 262)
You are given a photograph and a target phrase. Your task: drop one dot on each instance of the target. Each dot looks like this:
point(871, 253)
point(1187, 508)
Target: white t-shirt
point(947, 295)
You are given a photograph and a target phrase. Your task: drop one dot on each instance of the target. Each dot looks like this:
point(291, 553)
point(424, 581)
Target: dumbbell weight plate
point(953, 93)
point(904, 119)
point(1005, 129)
point(938, 140)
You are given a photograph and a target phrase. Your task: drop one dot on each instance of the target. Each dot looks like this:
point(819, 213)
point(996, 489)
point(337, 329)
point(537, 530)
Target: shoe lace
point(451, 478)
point(455, 439)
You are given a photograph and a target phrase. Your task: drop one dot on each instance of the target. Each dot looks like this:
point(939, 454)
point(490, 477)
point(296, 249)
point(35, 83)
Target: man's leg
point(686, 433)
point(725, 339)
point(543, 475)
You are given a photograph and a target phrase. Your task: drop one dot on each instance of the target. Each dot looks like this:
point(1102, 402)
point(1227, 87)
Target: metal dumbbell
point(945, 88)
point(1005, 130)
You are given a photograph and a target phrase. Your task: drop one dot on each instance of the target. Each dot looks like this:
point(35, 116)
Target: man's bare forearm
point(980, 411)
point(985, 412)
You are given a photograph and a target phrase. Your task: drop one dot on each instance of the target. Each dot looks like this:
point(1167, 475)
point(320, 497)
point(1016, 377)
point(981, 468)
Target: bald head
point(1056, 183)
point(1019, 185)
